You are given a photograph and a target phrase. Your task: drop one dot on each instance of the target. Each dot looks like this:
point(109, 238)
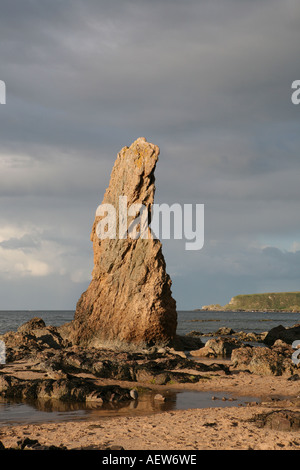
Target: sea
point(204, 322)
point(188, 320)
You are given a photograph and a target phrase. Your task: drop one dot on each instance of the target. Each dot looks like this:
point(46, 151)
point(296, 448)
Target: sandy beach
point(222, 428)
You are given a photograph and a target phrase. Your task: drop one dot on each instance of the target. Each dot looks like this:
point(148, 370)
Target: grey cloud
point(227, 268)
point(27, 241)
point(54, 292)
point(156, 52)
point(209, 82)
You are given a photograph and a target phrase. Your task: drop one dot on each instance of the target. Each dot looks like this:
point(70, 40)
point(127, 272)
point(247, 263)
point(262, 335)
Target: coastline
point(284, 302)
point(210, 308)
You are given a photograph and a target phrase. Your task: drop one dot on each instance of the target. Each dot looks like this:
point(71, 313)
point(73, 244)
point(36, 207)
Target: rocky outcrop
point(67, 389)
point(251, 336)
point(156, 367)
point(266, 302)
point(241, 335)
point(217, 347)
point(265, 361)
point(70, 373)
point(188, 342)
point(212, 307)
point(129, 299)
point(289, 335)
point(279, 420)
point(31, 337)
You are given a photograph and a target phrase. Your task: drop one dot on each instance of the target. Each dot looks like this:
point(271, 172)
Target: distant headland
point(267, 302)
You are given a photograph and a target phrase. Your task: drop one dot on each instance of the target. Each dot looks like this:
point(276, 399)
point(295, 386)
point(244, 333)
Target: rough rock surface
point(41, 365)
point(30, 338)
point(280, 420)
point(264, 360)
point(286, 334)
point(217, 347)
point(129, 299)
point(69, 389)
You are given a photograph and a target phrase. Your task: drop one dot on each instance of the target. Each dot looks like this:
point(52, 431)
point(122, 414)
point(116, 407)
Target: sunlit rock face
point(129, 299)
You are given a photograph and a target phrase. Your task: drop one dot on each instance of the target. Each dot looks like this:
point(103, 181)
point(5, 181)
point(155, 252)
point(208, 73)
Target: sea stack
point(129, 299)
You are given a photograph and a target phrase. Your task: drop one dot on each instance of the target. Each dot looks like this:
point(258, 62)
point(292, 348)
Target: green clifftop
point(271, 302)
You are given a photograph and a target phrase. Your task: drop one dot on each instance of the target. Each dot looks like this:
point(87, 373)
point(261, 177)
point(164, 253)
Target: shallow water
point(12, 412)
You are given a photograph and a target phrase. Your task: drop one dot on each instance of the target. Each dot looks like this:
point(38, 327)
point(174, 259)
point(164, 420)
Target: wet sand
point(216, 429)
point(226, 428)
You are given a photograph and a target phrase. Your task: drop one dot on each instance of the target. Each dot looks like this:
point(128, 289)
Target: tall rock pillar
point(129, 299)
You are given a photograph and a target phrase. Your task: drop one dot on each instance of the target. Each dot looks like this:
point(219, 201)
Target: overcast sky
point(208, 82)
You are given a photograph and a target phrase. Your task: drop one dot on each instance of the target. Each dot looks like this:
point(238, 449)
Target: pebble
point(159, 397)
point(134, 394)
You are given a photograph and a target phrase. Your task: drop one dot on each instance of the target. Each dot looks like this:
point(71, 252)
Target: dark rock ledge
point(42, 364)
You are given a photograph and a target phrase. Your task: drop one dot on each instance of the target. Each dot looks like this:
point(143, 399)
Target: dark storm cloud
point(170, 67)
point(209, 82)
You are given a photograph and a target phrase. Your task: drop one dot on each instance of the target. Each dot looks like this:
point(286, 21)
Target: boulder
point(282, 348)
point(221, 346)
point(31, 338)
point(251, 336)
point(31, 325)
point(225, 331)
point(263, 360)
point(289, 335)
point(129, 300)
point(188, 342)
point(159, 397)
point(203, 352)
point(279, 420)
point(33, 444)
